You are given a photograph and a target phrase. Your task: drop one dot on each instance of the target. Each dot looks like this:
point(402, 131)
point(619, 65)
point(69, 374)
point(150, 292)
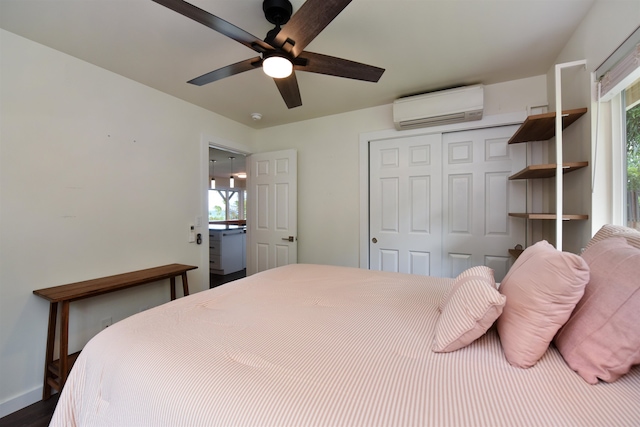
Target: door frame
point(207, 141)
point(365, 139)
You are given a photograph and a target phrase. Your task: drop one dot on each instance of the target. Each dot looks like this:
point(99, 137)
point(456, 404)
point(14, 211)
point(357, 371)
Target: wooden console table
point(56, 371)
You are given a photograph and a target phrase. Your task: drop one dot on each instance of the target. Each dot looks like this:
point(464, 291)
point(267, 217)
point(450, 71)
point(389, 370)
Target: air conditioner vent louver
point(439, 108)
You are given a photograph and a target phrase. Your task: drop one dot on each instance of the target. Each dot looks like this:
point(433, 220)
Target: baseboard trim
point(22, 401)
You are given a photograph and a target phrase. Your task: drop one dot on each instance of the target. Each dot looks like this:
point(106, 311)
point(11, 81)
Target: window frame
point(619, 155)
point(624, 109)
point(241, 192)
point(611, 115)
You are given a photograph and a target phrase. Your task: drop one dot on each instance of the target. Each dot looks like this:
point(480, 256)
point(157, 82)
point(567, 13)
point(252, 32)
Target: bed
point(314, 345)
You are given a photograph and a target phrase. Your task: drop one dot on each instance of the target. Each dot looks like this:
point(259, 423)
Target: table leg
point(51, 339)
point(64, 344)
point(185, 284)
point(173, 287)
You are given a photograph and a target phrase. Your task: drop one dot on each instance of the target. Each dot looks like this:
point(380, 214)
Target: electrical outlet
point(106, 323)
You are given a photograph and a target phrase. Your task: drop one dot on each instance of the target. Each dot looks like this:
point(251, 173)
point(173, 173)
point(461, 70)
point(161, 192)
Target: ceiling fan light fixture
point(277, 66)
point(213, 174)
point(231, 180)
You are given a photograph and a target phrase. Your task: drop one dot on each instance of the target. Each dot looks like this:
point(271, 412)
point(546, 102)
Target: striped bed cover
point(309, 345)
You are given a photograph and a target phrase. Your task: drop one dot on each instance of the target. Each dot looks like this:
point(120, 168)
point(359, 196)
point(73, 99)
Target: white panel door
point(405, 209)
point(477, 197)
point(272, 219)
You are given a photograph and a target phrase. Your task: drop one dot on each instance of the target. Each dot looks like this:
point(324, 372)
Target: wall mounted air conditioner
point(439, 108)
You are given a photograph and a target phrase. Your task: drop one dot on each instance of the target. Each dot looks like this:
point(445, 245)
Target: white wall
point(328, 174)
point(99, 175)
point(327, 180)
point(606, 26)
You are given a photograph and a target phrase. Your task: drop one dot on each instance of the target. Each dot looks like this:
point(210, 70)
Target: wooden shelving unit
point(547, 170)
point(549, 216)
point(541, 127)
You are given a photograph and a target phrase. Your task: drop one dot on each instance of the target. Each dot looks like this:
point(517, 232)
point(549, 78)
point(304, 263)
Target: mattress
point(321, 346)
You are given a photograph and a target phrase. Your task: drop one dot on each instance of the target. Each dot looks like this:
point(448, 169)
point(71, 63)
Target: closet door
point(405, 230)
point(477, 197)
point(439, 203)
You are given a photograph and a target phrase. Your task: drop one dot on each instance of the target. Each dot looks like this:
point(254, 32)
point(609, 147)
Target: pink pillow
point(478, 272)
point(610, 230)
point(542, 289)
point(468, 312)
point(602, 337)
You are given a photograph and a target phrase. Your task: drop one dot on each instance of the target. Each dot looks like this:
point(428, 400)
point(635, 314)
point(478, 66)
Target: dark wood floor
point(37, 415)
point(217, 280)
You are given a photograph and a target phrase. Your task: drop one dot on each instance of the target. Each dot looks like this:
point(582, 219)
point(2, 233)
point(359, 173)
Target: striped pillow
point(480, 272)
point(471, 308)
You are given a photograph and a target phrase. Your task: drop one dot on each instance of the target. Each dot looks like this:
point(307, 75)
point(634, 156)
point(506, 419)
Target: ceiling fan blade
point(312, 17)
point(215, 23)
point(229, 70)
point(324, 64)
point(289, 90)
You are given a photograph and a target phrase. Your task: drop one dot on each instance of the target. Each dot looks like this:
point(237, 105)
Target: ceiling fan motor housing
point(277, 12)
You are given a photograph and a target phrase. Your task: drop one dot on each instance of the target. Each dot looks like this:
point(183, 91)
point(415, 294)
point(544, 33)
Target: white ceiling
point(424, 45)
point(223, 166)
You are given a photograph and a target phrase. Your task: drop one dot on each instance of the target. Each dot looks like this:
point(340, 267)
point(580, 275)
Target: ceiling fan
point(282, 47)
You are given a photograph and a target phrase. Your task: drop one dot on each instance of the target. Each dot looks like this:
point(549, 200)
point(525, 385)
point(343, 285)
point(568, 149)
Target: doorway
point(226, 214)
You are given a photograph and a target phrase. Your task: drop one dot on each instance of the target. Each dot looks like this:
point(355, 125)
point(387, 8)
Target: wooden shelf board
point(541, 127)
point(549, 216)
point(547, 170)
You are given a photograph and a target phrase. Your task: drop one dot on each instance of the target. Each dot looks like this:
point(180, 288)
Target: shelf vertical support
point(559, 160)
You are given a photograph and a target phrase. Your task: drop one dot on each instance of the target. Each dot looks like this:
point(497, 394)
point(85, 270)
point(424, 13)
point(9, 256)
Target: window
point(234, 206)
point(217, 205)
point(226, 205)
point(632, 116)
point(618, 180)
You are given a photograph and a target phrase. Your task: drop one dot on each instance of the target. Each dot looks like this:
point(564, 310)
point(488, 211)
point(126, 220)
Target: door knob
point(374, 240)
point(288, 239)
